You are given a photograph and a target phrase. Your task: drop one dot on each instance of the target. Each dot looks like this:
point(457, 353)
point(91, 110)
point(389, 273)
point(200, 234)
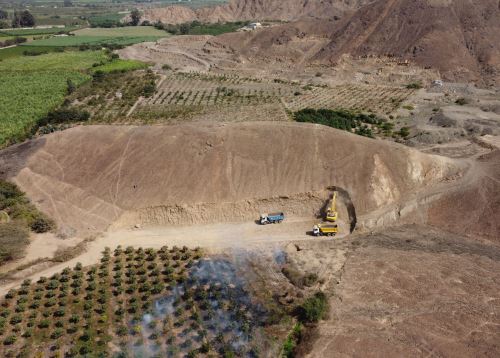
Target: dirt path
point(213, 237)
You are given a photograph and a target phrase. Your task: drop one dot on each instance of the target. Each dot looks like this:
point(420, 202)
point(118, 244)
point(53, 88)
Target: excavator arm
point(331, 214)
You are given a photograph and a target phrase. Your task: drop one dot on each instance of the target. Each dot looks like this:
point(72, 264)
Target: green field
point(73, 41)
point(31, 86)
point(120, 66)
point(128, 31)
point(20, 50)
point(34, 32)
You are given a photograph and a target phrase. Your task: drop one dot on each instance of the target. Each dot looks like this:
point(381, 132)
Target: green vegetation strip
point(120, 66)
point(18, 217)
point(358, 123)
point(28, 32)
point(74, 41)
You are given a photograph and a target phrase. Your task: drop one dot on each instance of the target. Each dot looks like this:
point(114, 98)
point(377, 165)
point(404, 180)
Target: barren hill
point(90, 177)
point(459, 37)
point(286, 10)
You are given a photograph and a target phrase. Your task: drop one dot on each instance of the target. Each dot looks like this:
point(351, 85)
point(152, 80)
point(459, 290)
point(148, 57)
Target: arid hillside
point(213, 173)
point(460, 37)
point(286, 10)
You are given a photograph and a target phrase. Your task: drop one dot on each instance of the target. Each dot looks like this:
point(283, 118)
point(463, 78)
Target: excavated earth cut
point(90, 178)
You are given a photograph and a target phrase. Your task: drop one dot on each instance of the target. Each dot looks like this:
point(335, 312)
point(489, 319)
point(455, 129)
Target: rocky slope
point(459, 37)
point(286, 10)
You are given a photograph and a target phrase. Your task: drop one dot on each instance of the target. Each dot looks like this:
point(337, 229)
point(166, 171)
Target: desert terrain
point(180, 177)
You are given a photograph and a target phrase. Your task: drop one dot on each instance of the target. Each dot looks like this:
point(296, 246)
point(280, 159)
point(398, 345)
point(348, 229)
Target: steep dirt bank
point(90, 177)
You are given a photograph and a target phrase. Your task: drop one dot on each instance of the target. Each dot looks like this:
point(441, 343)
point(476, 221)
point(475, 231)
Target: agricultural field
point(36, 32)
point(378, 99)
point(224, 97)
point(120, 36)
point(31, 86)
point(167, 302)
point(18, 51)
point(75, 41)
point(129, 31)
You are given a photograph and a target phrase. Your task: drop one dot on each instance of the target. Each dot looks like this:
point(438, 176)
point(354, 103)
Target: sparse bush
point(414, 85)
point(404, 132)
point(314, 308)
point(461, 101)
point(14, 238)
point(10, 340)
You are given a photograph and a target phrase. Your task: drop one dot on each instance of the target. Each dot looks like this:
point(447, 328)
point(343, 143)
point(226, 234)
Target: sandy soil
point(211, 173)
point(41, 246)
point(414, 292)
point(215, 238)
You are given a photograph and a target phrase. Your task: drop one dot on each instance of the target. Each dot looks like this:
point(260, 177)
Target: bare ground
point(414, 291)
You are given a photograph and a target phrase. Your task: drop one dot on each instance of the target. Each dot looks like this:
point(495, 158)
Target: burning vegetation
point(142, 303)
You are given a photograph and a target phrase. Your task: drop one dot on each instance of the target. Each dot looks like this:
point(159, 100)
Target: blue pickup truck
point(271, 218)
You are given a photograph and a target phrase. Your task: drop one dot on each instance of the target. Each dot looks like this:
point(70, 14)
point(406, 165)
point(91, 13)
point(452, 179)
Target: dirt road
point(212, 237)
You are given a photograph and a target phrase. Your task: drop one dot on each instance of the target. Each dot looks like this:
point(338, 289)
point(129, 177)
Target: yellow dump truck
point(325, 230)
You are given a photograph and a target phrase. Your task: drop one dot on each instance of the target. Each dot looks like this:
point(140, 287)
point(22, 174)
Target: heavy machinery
point(331, 213)
point(271, 218)
point(325, 229)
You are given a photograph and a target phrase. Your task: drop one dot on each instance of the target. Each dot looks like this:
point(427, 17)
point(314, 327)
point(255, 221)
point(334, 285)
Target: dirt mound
point(254, 10)
point(460, 38)
point(90, 177)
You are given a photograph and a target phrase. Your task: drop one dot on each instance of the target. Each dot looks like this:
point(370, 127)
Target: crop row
point(213, 96)
point(164, 302)
point(363, 98)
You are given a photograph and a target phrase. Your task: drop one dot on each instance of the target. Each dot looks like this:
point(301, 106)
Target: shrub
point(414, 85)
point(44, 323)
point(42, 224)
point(63, 115)
point(16, 319)
point(10, 340)
point(14, 238)
point(58, 332)
point(314, 308)
point(461, 101)
point(404, 132)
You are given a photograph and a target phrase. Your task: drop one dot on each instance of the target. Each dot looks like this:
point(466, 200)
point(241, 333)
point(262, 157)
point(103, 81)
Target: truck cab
point(325, 230)
point(271, 218)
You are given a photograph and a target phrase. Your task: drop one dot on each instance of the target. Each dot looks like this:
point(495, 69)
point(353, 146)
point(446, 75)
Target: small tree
point(314, 308)
point(135, 17)
point(23, 19)
point(3, 14)
point(184, 29)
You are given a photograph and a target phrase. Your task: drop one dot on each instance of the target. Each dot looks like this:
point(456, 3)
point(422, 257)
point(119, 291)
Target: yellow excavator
point(331, 213)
